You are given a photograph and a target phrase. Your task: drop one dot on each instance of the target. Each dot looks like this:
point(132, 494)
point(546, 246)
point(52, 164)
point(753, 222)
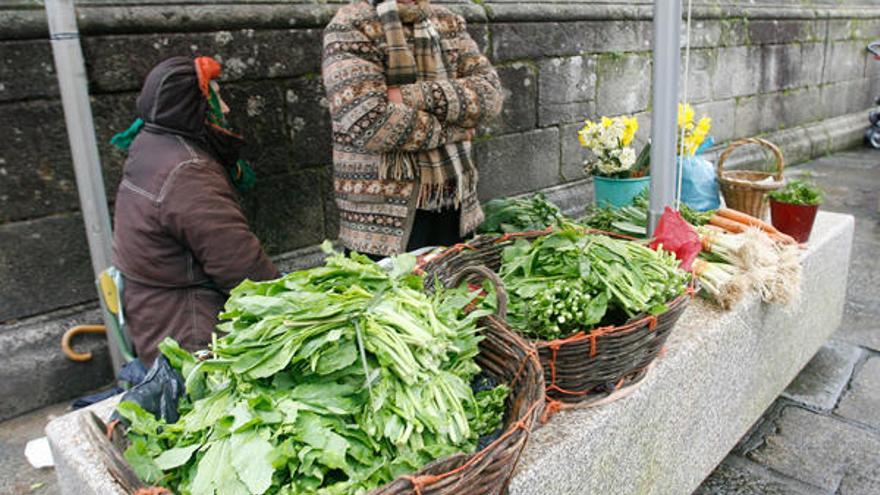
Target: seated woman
point(180, 237)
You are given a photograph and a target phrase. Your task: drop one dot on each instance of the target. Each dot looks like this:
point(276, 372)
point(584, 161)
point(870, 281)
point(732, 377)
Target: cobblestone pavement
point(822, 436)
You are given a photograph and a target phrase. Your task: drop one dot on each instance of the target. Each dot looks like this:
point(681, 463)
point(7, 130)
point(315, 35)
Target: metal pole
point(71, 69)
point(664, 118)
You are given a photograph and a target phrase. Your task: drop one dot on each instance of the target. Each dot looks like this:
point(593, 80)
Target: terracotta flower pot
point(794, 220)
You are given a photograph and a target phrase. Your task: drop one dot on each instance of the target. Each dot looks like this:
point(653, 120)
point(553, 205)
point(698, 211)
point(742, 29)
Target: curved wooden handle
point(780, 163)
point(79, 357)
point(480, 273)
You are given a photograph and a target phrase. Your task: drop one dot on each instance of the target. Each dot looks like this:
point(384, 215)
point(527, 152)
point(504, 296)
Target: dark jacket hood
point(171, 100)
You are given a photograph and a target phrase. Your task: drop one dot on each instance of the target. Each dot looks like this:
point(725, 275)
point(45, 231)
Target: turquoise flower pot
point(618, 192)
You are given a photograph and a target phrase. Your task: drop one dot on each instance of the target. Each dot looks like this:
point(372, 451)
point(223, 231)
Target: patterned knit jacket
point(376, 216)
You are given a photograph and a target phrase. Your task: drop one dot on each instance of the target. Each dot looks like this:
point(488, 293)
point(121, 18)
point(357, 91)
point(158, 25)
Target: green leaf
point(175, 457)
point(251, 457)
point(141, 461)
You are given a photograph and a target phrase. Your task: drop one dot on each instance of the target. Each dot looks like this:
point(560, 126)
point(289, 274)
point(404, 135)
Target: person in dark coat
point(180, 237)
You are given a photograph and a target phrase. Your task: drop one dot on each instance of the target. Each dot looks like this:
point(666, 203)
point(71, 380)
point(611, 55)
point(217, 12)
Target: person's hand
point(394, 95)
point(470, 134)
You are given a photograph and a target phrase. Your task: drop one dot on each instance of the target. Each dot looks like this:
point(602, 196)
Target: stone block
point(705, 33)
point(791, 66)
point(818, 450)
point(286, 211)
point(27, 70)
point(35, 164)
point(844, 60)
point(624, 84)
point(846, 97)
point(862, 401)
point(778, 31)
point(45, 265)
point(798, 107)
point(308, 122)
point(573, 154)
point(480, 34)
point(702, 66)
point(821, 382)
point(738, 476)
point(518, 163)
point(734, 31)
point(34, 372)
point(520, 85)
point(244, 53)
point(750, 118)
point(737, 72)
point(331, 213)
point(567, 89)
point(258, 112)
point(531, 40)
point(723, 117)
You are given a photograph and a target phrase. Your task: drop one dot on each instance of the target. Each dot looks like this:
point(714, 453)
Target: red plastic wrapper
point(677, 236)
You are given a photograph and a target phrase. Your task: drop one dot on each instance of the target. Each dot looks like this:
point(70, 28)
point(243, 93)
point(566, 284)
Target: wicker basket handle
point(780, 164)
point(481, 273)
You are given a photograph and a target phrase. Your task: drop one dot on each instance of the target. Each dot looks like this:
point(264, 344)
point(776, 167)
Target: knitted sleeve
point(362, 117)
point(469, 98)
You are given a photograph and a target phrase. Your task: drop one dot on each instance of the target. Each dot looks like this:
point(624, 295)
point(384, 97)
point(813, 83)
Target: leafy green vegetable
point(632, 220)
point(569, 281)
point(799, 192)
point(333, 380)
point(519, 215)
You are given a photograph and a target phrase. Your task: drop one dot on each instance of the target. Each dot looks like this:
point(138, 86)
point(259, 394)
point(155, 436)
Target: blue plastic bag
point(699, 185)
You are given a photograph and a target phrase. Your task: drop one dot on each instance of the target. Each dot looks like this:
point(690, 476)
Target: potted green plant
point(793, 208)
point(618, 176)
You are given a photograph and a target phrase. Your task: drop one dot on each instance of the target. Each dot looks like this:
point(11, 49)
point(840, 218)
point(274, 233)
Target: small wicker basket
point(746, 190)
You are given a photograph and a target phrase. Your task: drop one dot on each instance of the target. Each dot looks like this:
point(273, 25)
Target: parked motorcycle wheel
point(872, 138)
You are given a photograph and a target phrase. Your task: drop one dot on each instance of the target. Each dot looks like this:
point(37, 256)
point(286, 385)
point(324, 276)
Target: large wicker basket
point(504, 355)
point(746, 190)
point(586, 368)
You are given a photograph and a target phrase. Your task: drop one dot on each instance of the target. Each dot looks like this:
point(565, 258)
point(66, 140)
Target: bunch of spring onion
point(749, 261)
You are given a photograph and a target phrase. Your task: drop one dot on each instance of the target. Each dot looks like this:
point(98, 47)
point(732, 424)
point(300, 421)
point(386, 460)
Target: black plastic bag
point(159, 392)
point(131, 374)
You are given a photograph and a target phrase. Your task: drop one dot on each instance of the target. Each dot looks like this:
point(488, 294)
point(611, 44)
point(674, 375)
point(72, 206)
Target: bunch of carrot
point(737, 222)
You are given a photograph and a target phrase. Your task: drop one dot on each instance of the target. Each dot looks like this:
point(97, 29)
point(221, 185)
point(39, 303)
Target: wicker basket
point(746, 190)
point(504, 355)
point(587, 367)
point(509, 359)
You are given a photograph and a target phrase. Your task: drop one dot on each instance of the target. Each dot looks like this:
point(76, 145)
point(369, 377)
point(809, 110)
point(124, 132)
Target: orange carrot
point(727, 224)
point(749, 220)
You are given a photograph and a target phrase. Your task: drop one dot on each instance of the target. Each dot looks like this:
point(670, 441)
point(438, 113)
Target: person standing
point(406, 87)
point(180, 237)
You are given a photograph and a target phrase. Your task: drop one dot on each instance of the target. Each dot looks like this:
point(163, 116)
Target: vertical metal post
point(71, 69)
point(664, 118)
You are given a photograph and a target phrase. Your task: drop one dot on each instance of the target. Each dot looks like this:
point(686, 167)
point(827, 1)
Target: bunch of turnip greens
point(333, 380)
point(570, 281)
point(632, 219)
point(522, 214)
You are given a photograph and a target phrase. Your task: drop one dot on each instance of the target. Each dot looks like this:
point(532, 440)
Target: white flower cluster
point(609, 141)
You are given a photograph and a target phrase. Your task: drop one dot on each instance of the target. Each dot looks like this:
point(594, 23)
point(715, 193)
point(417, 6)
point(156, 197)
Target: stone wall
point(753, 70)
